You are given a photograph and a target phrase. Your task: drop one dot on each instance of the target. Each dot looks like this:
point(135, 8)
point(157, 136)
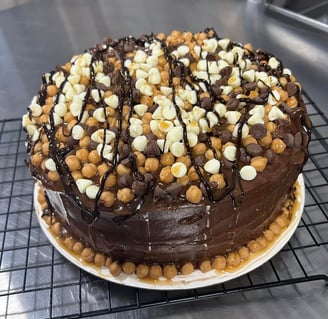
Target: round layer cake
point(167, 150)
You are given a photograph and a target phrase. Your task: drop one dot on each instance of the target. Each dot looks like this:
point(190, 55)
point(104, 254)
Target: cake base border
point(197, 279)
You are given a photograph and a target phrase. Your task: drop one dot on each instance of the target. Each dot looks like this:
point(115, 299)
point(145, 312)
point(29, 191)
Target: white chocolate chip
point(220, 109)
point(50, 165)
point(179, 169)
point(183, 50)
point(98, 66)
point(274, 97)
point(140, 143)
point(192, 139)
point(99, 115)
point(178, 101)
point(165, 126)
point(96, 95)
point(140, 57)
point(82, 184)
point(175, 134)
point(230, 152)
point(57, 119)
point(202, 65)
point(84, 117)
point(229, 57)
point(75, 69)
point(244, 130)
point(86, 59)
point(140, 83)
point(203, 124)
point(204, 54)
point(146, 90)
point(36, 135)
point(152, 60)
point(58, 78)
point(226, 90)
point(238, 51)
point(213, 119)
point(256, 118)
point(197, 50)
point(31, 129)
point(193, 127)
point(273, 80)
point(287, 71)
point(177, 149)
point(61, 109)
point(259, 109)
point(213, 67)
point(198, 113)
point(105, 151)
point(202, 75)
point(140, 109)
point(74, 78)
point(141, 74)
point(92, 191)
point(169, 112)
point(36, 109)
point(232, 116)
point(234, 79)
point(98, 136)
point(192, 97)
point(154, 125)
point(275, 114)
point(164, 145)
point(249, 75)
point(135, 129)
point(185, 61)
point(154, 77)
point(67, 87)
point(222, 64)
point(145, 66)
point(127, 63)
point(261, 78)
point(105, 80)
point(212, 166)
point(223, 43)
point(158, 114)
point(210, 45)
point(112, 101)
point(248, 173)
point(273, 62)
point(77, 132)
point(166, 90)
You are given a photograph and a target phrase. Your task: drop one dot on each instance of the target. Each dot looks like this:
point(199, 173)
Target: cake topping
point(194, 111)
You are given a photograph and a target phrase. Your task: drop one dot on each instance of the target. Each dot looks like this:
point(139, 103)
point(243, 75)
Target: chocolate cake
point(164, 154)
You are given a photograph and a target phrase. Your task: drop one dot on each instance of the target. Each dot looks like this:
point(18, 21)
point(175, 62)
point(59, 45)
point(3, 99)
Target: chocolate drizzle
point(129, 96)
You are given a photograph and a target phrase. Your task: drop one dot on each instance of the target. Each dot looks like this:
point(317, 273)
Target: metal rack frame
point(35, 278)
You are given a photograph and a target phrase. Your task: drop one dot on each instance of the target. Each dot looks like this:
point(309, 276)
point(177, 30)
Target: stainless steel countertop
point(36, 35)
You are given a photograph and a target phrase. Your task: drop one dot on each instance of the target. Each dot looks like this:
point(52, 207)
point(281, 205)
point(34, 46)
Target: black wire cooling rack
point(36, 279)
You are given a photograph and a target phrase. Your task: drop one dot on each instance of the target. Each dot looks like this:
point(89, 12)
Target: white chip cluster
point(171, 117)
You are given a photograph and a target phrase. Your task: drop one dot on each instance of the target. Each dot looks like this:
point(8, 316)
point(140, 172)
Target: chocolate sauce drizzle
point(119, 49)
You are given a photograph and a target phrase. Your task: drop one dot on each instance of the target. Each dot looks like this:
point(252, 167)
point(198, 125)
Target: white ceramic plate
point(197, 279)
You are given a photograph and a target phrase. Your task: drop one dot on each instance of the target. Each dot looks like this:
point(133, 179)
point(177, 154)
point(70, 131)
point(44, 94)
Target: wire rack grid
point(36, 279)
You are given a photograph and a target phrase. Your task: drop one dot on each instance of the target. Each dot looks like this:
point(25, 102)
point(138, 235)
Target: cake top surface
point(185, 117)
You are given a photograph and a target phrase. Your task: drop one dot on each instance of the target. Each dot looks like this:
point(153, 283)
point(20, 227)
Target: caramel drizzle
point(232, 177)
